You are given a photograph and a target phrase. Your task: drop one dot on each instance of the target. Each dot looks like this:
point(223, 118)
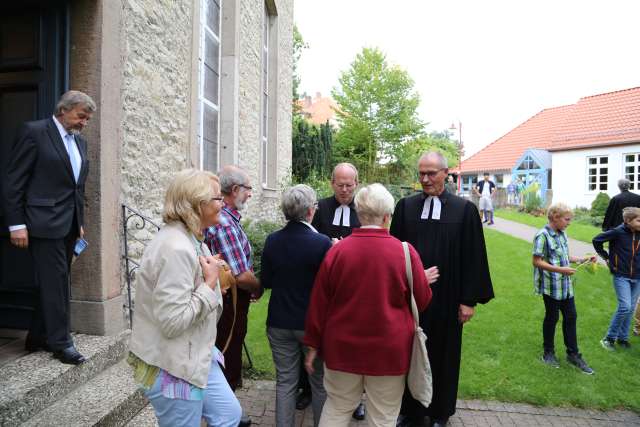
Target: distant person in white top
point(485, 190)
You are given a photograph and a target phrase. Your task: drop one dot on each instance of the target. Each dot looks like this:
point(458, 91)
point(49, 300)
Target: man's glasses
point(345, 186)
point(246, 187)
point(430, 174)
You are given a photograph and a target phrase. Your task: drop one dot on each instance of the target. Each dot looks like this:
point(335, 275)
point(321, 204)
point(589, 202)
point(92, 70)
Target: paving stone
point(471, 412)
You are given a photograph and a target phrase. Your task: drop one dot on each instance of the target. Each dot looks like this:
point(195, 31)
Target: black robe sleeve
point(397, 228)
point(609, 216)
point(476, 286)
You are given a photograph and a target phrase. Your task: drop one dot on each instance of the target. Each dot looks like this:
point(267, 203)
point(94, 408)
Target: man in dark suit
point(613, 216)
point(44, 205)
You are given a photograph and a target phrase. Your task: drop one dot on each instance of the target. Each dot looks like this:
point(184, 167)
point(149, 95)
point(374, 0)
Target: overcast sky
point(486, 63)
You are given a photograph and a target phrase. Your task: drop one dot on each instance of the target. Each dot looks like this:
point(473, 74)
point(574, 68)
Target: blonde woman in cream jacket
point(178, 304)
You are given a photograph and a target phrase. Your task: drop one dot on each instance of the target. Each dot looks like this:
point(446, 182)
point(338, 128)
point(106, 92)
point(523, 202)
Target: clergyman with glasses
point(446, 231)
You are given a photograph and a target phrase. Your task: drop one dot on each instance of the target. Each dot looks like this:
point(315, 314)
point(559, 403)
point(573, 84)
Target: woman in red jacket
point(359, 319)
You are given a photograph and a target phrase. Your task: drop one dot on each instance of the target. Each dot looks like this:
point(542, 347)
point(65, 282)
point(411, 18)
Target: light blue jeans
point(219, 408)
point(627, 292)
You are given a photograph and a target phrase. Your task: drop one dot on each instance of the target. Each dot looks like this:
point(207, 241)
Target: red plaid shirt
point(229, 239)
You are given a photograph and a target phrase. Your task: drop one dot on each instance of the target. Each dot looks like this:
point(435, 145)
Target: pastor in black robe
point(455, 244)
point(323, 219)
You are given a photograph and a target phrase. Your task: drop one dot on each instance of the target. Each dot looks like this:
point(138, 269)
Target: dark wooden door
point(33, 75)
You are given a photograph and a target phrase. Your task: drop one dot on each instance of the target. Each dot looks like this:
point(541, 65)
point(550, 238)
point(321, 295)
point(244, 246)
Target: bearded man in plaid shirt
point(228, 239)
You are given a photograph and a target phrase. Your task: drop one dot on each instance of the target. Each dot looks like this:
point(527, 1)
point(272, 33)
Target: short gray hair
point(624, 184)
point(441, 158)
point(229, 176)
point(372, 203)
point(296, 202)
point(70, 99)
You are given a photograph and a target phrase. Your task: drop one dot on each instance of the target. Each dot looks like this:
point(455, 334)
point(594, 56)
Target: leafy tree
point(311, 149)
point(378, 111)
point(299, 46)
point(600, 204)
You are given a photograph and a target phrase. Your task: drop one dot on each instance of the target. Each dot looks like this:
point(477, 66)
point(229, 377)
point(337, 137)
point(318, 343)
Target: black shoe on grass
point(549, 358)
point(576, 360)
point(608, 344)
point(624, 344)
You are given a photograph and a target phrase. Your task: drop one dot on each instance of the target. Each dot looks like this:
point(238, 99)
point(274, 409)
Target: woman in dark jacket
point(290, 261)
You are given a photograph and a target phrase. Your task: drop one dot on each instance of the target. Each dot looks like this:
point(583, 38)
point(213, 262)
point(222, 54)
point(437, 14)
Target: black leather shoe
point(302, 401)
point(245, 421)
point(439, 422)
point(359, 413)
point(69, 356)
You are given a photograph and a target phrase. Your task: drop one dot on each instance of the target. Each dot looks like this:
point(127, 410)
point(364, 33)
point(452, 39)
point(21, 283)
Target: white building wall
point(570, 174)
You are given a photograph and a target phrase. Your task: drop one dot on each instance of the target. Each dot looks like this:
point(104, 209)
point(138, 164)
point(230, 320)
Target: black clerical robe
point(323, 219)
point(613, 216)
point(455, 244)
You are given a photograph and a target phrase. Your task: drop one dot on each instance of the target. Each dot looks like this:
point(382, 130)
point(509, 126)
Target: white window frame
point(634, 176)
point(202, 101)
point(264, 97)
point(598, 165)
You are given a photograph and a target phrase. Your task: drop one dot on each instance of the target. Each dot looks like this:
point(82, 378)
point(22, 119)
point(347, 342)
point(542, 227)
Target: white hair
point(372, 203)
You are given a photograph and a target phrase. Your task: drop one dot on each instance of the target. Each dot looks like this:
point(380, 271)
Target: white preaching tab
point(344, 212)
point(437, 207)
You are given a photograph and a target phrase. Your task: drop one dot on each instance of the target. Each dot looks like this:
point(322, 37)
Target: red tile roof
point(607, 119)
point(318, 109)
point(503, 153)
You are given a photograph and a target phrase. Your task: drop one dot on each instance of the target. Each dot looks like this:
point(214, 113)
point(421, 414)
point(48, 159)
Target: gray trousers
point(288, 351)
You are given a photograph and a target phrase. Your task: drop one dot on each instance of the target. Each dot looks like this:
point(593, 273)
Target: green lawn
point(503, 343)
point(578, 231)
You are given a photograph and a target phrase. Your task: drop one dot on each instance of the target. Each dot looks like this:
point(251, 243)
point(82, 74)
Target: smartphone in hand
point(81, 245)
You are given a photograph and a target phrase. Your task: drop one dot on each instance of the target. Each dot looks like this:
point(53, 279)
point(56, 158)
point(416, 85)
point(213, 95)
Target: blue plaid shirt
point(229, 239)
point(553, 247)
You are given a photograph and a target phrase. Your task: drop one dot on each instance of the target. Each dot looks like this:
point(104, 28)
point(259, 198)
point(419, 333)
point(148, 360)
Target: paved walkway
point(258, 400)
point(527, 232)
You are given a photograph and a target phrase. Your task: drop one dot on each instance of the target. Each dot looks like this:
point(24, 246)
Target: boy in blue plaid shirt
point(551, 278)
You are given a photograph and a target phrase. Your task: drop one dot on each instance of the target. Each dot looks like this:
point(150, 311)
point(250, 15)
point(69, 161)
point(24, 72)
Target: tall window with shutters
point(209, 90)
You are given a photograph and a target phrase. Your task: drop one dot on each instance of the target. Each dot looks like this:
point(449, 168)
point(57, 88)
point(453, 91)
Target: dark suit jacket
point(613, 216)
point(290, 260)
point(39, 188)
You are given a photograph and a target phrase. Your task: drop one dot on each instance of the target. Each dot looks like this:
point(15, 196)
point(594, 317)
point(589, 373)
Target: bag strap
point(407, 265)
point(234, 299)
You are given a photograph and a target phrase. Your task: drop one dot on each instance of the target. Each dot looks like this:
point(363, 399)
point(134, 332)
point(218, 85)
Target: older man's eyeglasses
point(345, 186)
point(430, 174)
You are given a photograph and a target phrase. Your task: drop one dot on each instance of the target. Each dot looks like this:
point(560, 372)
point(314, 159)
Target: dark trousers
point(552, 309)
point(233, 356)
point(444, 346)
point(52, 263)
